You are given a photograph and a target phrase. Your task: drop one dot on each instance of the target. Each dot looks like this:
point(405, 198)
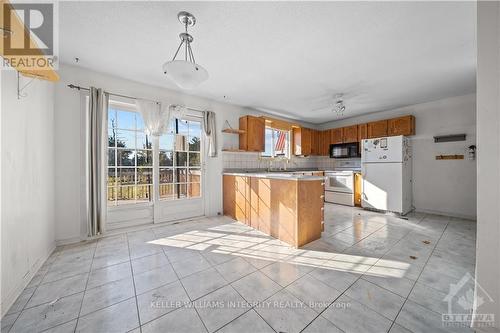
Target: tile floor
point(368, 273)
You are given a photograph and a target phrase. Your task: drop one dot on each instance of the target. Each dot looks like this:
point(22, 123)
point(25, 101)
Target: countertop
point(288, 175)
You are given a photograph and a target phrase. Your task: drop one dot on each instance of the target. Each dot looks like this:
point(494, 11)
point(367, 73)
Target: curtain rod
point(72, 86)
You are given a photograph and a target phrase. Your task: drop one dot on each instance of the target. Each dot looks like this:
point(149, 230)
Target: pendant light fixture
point(186, 73)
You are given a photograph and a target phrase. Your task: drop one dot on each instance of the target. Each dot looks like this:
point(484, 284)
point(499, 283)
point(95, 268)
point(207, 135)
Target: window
point(180, 160)
point(130, 158)
point(277, 143)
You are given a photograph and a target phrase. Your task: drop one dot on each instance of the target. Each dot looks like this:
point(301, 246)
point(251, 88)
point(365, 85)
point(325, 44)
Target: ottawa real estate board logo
point(29, 41)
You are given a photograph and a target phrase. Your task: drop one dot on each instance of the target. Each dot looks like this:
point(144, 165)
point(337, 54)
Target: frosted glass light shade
point(185, 74)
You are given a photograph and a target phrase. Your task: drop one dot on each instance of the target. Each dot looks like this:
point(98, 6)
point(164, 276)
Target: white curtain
point(210, 132)
point(97, 143)
point(156, 119)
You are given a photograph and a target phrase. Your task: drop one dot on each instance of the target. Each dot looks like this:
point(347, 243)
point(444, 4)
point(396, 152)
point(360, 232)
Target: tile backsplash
point(252, 161)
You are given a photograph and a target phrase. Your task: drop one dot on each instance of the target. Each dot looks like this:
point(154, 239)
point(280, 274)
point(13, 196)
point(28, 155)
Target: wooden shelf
point(233, 131)
point(234, 150)
point(449, 157)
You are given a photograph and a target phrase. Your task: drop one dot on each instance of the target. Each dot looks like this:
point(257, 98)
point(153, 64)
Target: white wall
point(70, 226)
point(27, 141)
point(488, 162)
point(439, 186)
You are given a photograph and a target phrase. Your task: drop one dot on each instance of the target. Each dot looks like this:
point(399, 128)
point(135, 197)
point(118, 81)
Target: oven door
point(340, 182)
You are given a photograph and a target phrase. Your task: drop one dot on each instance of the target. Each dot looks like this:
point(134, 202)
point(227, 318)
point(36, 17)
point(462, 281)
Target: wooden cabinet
point(302, 141)
point(254, 136)
point(350, 134)
point(377, 129)
point(315, 138)
point(288, 210)
point(324, 143)
point(401, 126)
point(358, 180)
point(336, 135)
point(362, 132)
point(236, 202)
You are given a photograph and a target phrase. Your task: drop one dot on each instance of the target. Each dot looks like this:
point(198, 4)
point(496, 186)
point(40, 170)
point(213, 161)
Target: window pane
point(167, 191)
point(194, 159)
point(268, 142)
point(144, 141)
point(125, 194)
point(126, 157)
point(167, 142)
point(145, 176)
point(126, 119)
point(140, 122)
point(183, 127)
point(111, 157)
point(144, 158)
point(111, 176)
point(111, 196)
point(144, 193)
point(194, 190)
point(194, 175)
point(125, 139)
point(111, 119)
point(280, 143)
point(181, 191)
point(166, 158)
point(181, 175)
point(194, 143)
point(180, 143)
point(194, 128)
point(126, 176)
point(166, 176)
point(112, 138)
point(180, 159)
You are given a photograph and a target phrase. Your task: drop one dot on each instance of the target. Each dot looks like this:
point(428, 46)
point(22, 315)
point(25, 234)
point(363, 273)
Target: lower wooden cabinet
point(289, 210)
point(358, 189)
point(236, 202)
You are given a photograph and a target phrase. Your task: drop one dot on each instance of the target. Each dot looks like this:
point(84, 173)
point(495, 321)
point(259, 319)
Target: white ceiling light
point(339, 106)
point(187, 74)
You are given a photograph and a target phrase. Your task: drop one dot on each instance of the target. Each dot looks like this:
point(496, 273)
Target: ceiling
point(286, 58)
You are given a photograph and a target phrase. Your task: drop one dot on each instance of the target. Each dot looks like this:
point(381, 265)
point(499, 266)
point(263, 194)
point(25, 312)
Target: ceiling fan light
point(185, 74)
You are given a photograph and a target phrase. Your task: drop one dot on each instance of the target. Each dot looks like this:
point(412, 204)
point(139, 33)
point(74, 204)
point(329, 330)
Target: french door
point(153, 179)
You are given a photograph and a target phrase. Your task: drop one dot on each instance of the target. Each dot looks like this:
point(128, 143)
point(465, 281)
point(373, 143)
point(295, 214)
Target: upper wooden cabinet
point(336, 135)
point(302, 141)
point(324, 143)
point(254, 136)
point(377, 129)
point(362, 132)
point(315, 139)
point(350, 134)
point(401, 126)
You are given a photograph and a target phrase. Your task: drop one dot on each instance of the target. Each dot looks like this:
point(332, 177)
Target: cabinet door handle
point(322, 196)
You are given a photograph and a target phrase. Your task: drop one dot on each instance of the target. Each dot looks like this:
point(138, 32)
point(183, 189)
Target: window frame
point(128, 107)
point(176, 169)
point(273, 155)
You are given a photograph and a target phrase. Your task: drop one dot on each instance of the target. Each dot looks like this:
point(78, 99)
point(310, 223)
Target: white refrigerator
point(386, 168)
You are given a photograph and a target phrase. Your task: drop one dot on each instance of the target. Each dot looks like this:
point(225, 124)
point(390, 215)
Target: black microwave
point(345, 150)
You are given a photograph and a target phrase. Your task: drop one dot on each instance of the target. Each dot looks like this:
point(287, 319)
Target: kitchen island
point(287, 206)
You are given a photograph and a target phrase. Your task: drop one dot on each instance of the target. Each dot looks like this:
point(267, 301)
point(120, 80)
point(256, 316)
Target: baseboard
point(68, 241)
point(14, 294)
point(435, 212)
